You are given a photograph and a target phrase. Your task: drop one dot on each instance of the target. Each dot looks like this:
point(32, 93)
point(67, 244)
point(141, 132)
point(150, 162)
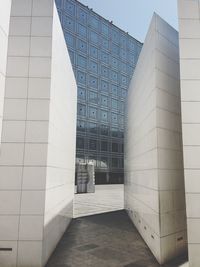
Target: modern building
point(189, 41)
point(38, 132)
point(154, 179)
point(38, 121)
point(103, 58)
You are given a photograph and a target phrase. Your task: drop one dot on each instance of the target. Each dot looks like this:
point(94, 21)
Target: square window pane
point(132, 45)
point(93, 52)
point(114, 162)
point(105, 57)
point(123, 41)
point(114, 118)
point(114, 104)
point(115, 36)
point(93, 82)
point(114, 63)
point(69, 8)
point(104, 72)
point(94, 22)
point(82, 15)
point(104, 130)
point(104, 115)
point(93, 97)
point(81, 126)
point(92, 113)
point(92, 127)
point(104, 146)
point(115, 49)
point(105, 44)
point(82, 61)
point(115, 147)
point(123, 54)
point(123, 67)
point(94, 37)
point(114, 76)
point(114, 132)
point(104, 86)
point(81, 77)
point(81, 93)
point(114, 90)
point(104, 101)
point(131, 59)
point(81, 109)
point(82, 46)
point(68, 23)
point(105, 29)
point(93, 144)
point(93, 67)
point(82, 30)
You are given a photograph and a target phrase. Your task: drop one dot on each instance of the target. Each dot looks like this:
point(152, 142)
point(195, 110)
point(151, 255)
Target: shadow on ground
point(105, 240)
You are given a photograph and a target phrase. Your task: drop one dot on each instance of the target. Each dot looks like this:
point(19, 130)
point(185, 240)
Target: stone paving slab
point(105, 240)
point(107, 198)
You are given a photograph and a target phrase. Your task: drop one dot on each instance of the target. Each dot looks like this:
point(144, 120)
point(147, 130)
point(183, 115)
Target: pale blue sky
point(134, 16)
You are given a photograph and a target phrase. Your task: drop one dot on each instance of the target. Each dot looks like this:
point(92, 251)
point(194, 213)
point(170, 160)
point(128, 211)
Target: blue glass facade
point(103, 58)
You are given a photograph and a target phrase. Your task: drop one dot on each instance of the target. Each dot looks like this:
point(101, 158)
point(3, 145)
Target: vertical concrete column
point(189, 39)
point(37, 157)
point(154, 181)
point(8, 222)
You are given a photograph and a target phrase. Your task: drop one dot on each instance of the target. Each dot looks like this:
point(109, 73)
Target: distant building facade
point(103, 58)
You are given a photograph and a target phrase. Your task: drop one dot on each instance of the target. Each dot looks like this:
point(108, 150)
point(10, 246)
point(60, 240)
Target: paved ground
point(106, 198)
point(106, 240)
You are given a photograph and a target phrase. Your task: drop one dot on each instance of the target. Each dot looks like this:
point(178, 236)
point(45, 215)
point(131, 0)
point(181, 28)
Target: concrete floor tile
point(105, 240)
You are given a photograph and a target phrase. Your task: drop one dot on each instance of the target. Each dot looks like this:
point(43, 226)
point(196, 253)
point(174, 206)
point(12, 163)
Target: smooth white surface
point(189, 27)
point(5, 8)
point(154, 182)
point(38, 120)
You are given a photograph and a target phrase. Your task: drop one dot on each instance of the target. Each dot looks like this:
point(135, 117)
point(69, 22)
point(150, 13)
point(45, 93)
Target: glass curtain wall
point(103, 58)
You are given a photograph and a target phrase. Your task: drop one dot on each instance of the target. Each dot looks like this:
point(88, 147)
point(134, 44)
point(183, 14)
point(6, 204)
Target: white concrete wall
point(5, 8)
point(40, 88)
point(61, 146)
point(7, 222)
point(154, 183)
point(189, 38)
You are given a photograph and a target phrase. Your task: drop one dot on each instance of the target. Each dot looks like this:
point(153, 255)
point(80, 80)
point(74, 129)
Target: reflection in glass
point(103, 59)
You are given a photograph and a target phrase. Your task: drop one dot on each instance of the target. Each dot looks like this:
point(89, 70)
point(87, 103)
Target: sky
point(134, 16)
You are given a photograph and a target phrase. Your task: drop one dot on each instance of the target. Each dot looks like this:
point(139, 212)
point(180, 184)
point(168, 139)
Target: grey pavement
point(106, 198)
point(105, 240)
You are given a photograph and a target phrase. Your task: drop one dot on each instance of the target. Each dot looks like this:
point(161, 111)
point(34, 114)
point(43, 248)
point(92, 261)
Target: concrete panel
point(189, 28)
point(154, 181)
point(38, 121)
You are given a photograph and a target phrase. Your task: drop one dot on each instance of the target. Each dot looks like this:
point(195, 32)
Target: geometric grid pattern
point(103, 58)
